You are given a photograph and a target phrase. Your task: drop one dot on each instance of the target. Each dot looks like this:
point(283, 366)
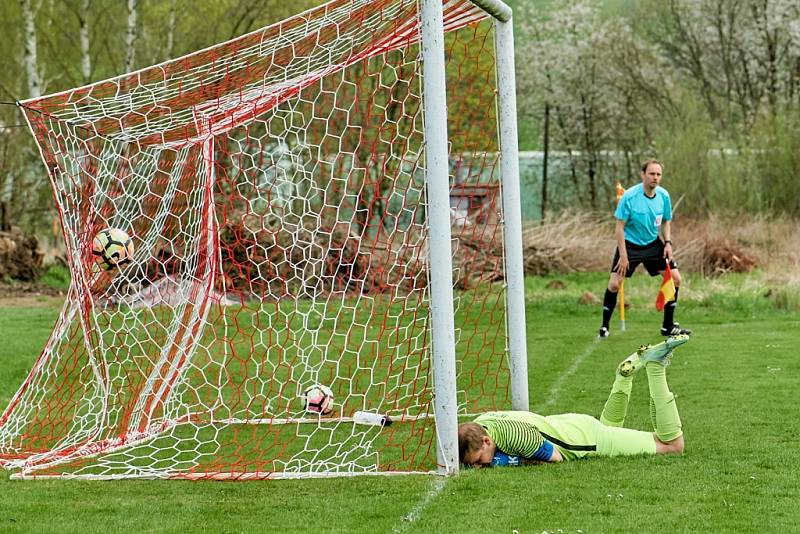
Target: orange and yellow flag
point(666, 292)
point(620, 191)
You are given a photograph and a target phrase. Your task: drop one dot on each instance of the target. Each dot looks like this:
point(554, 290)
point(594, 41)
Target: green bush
point(732, 172)
point(56, 276)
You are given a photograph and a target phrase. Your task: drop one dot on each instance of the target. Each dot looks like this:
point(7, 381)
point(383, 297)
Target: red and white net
point(274, 188)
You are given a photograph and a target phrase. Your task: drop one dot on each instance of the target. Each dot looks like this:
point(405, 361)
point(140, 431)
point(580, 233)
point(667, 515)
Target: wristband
point(502, 459)
point(668, 242)
point(544, 452)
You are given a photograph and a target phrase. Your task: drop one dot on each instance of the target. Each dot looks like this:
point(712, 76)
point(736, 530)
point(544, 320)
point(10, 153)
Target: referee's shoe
point(675, 330)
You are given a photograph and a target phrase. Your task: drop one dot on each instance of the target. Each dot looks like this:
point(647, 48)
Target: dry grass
point(717, 245)
point(568, 242)
point(585, 242)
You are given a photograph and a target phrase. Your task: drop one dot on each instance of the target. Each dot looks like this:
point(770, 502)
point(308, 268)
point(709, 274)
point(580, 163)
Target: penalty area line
point(555, 389)
point(438, 484)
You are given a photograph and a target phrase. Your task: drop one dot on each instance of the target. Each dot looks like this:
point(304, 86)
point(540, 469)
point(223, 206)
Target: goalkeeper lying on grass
point(513, 438)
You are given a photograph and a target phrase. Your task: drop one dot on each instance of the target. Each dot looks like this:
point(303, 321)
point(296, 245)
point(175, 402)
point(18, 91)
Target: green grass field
point(736, 384)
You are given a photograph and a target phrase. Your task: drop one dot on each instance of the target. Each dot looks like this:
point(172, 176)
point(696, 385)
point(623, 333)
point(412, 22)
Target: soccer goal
point(327, 207)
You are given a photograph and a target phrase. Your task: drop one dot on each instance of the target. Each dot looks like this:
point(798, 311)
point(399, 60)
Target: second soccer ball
point(318, 399)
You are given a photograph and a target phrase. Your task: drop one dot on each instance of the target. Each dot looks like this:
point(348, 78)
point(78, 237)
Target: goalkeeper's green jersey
point(523, 433)
point(574, 435)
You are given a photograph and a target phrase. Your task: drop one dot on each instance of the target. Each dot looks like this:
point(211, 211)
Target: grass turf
point(735, 383)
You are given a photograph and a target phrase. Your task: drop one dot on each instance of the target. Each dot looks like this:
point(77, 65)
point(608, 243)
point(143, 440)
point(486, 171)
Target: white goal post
point(438, 195)
point(329, 201)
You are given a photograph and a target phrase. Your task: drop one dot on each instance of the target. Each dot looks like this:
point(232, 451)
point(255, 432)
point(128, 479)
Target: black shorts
point(651, 255)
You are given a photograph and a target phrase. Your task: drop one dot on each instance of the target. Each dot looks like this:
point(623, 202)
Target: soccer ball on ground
point(112, 248)
point(318, 399)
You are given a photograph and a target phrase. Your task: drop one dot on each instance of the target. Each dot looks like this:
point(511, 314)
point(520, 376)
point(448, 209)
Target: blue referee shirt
point(642, 215)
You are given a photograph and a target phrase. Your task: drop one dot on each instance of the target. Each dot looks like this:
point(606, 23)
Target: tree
point(83, 24)
point(743, 56)
point(130, 36)
point(30, 60)
point(75, 42)
point(601, 87)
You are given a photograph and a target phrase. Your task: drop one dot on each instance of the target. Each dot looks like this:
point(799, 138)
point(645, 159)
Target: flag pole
point(620, 190)
point(622, 306)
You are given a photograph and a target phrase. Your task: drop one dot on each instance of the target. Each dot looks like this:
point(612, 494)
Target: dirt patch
point(20, 295)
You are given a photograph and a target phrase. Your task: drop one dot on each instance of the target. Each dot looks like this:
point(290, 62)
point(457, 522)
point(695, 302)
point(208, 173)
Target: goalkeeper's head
point(475, 447)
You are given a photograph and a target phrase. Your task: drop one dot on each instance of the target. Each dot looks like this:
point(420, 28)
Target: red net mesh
point(274, 190)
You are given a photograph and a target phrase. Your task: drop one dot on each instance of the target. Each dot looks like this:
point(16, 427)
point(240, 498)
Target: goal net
point(274, 189)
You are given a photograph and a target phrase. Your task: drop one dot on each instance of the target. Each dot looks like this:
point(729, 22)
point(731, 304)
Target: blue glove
point(502, 459)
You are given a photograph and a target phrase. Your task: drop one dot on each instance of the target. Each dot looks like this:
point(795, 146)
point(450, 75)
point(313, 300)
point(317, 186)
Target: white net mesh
point(274, 189)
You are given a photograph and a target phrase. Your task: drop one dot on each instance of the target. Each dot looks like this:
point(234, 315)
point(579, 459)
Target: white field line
point(440, 482)
point(555, 389)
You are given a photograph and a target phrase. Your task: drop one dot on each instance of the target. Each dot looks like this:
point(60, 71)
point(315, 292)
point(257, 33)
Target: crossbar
point(496, 8)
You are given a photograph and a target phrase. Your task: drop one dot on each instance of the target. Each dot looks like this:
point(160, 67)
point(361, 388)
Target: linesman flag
point(666, 292)
point(621, 191)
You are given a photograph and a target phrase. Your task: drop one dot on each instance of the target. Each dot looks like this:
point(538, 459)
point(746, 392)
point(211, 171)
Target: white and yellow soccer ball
point(112, 248)
point(318, 399)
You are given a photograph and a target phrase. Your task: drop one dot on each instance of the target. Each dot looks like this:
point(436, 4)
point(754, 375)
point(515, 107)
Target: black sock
point(669, 311)
point(609, 303)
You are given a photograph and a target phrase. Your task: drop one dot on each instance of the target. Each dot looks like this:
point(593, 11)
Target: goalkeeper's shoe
point(674, 330)
point(660, 353)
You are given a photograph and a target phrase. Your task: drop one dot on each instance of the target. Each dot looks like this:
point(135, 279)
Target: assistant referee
point(643, 234)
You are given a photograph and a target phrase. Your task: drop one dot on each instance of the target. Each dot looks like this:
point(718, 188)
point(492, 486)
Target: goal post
point(438, 187)
point(329, 201)
point(512, 207)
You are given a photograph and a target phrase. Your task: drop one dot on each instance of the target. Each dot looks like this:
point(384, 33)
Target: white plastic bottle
point(371, 418)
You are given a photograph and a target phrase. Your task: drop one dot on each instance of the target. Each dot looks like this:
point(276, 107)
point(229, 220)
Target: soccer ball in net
point(112, 248)
point(318, 399)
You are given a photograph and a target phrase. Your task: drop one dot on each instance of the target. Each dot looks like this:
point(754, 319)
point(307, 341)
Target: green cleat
point(660, 352)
